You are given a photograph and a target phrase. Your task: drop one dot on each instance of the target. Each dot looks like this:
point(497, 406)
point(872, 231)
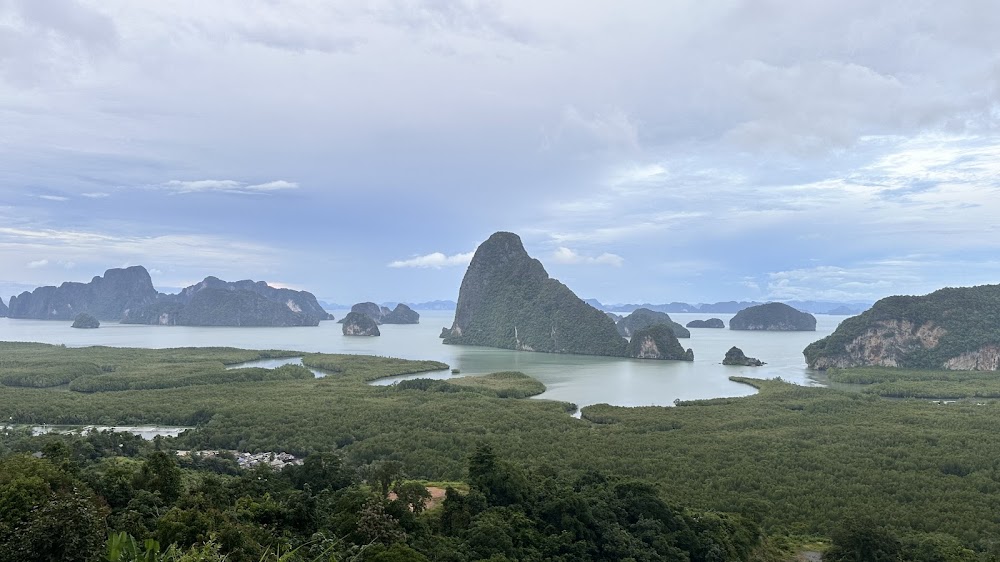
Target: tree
point(161, 475)
point(864, 540)
point(413, 494)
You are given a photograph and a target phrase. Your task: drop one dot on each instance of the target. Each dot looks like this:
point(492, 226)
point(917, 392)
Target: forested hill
point(952, 328)
point(507, 300)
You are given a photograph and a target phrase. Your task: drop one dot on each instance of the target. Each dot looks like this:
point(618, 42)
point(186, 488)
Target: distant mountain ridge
point(127, 295)
point(3, 309)
point(428, 305)
point(732, 307)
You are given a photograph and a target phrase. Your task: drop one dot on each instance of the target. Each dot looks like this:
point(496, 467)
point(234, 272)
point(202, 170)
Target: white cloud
point(227, 186)
point(96, 195)
point(38, 263)
point(272, 186)
point(436, 260)
point(567, 256)
point(53, 197)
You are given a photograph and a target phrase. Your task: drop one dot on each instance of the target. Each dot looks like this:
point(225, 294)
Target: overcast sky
point(645, 151)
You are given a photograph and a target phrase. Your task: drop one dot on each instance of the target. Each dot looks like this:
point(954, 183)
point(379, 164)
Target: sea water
point(580, 379)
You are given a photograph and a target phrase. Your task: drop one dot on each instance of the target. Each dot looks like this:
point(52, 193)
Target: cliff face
point(507, 300)
point(643, 318)
point(359, 324)
point(106, 298)
point(3, 309)
point(657, 342)
point(954, 328)
point(773, 316)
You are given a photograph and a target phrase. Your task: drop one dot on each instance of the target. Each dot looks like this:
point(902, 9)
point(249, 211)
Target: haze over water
point(580, 379)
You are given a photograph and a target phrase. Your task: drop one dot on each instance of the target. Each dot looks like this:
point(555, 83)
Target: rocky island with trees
point(773, 316)
point(401, 314)
point(710, 323)
point(507, 300)
point(952, 328)
point(86, 322)
point(642, 318)
point(359, 324)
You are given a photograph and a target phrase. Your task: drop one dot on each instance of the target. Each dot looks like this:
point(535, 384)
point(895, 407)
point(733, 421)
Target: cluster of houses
point(276, 461)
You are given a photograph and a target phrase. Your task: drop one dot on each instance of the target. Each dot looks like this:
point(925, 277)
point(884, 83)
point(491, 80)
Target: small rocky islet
point(735, 356)
point(710, 323)
point(359, 324)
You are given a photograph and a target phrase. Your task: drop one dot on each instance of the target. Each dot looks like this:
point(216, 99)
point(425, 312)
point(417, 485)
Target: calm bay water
point(580, 379)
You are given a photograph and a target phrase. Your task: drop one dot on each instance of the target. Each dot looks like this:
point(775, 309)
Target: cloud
point(38, 263)
point(435, 260)
point(67, 247)
point(610, 130)
point(272, 186)
point(227, 186)
point(96, 195)
point(567, 256)
point(45, 41)
point(53, 197)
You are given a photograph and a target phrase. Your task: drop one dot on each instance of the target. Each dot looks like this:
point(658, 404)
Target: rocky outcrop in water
point(369, 309)
point(402, 314)
point(773, 316)
point(3, 309)
point(507, 300)
point(303, 303)
point(953, 328)
point(710, 323)
point(644, 318)
point(359, 324)
point(86, 321)
point(214, 302)
point(735, 356)
point(105, 298)
point(657, 342)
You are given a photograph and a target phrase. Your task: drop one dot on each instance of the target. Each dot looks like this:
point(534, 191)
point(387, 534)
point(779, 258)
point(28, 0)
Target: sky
point(645, 151)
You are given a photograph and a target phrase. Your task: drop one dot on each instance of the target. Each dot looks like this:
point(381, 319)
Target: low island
point(775, 317)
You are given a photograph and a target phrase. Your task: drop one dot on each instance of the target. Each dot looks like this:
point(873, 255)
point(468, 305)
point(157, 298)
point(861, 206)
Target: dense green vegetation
point(794, 460)
point(90, 498)
point(967, 317)
point(504, 384)
point(507, 300)
point(906, 383)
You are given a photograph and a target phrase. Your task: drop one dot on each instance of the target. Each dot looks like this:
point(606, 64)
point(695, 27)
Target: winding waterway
point(580, 379)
